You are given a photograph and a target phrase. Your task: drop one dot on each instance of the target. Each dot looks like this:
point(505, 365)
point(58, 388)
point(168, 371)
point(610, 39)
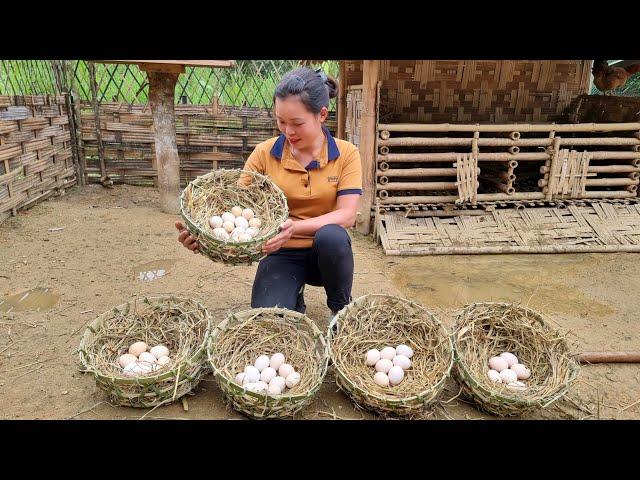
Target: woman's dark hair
point(314, 88)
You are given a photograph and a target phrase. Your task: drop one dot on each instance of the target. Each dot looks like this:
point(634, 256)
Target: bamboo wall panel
point(35, 151)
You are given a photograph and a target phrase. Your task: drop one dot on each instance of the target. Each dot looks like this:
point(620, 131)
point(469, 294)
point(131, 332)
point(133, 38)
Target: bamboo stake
point(448, 127)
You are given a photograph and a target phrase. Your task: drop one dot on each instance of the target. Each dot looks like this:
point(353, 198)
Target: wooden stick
point(446, 157)
point(609, 357)
point(96, 111)
point(396, 186)
point(482, 197)
point(516, 249)
point(342, 100)
point(614, 194)
point(504, 142)
point(448, 127)
point(610, 182)
point(419, 172)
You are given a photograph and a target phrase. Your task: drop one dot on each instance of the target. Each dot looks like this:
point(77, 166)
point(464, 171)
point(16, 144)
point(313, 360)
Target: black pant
point(282, 275)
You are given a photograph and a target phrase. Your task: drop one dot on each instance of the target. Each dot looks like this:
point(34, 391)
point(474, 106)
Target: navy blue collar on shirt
point(332, 148)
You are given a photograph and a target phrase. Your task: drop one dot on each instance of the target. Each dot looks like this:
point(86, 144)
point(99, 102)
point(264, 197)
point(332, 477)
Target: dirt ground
point(103, 235)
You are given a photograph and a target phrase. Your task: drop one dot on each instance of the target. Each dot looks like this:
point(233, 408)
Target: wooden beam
point(161, 92)
point(342, 101)
point(370, 76)
point(187, 63)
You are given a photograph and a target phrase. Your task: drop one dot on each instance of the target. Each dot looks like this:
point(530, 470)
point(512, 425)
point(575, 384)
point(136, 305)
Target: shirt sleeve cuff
point(350, 191)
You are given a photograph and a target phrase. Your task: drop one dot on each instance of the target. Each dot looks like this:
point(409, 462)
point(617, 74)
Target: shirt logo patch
point(332, 179)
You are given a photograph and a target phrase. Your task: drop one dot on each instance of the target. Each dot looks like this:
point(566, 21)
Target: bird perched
point(608, 78)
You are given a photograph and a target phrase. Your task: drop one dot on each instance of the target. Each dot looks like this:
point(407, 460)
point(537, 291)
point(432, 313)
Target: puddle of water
point(537, 280)
point(150, 271)
point(36, 299)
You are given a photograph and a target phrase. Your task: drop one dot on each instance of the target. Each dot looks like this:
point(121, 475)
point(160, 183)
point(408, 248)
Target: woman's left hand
point(276, 243)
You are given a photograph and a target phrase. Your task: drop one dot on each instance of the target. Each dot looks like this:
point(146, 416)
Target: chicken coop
point(492, 157)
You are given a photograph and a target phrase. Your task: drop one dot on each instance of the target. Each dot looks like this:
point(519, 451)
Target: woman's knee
point(332, 237)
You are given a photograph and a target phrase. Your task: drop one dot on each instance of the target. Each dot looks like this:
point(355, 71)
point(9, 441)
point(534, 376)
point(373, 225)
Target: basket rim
point(181, 367)
point(270, 400)
point(220, 243)
point(390, 400)
point(512, 397)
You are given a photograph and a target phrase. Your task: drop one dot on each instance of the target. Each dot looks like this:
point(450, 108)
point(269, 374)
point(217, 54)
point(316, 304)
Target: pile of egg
point(268, 375)
point(238, 225)
point(389, 363)
point(140, 361)
point(506, 369)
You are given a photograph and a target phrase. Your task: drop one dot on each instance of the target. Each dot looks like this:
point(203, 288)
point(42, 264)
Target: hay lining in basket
point(219, 191)
point(377, 321)
point(239, 339)
point(484, 330)
point(182, 325)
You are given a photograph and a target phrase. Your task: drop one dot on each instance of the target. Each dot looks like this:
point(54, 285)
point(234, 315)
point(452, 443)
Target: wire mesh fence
point(249, 83)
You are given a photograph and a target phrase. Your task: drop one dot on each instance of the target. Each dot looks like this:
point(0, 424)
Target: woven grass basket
point(219, 191)
point(239, 339)
point(483, 330)
point(376, 321)
point(181, 324)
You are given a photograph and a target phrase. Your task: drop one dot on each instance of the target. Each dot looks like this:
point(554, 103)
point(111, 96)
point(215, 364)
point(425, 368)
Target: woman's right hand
point(185, 238)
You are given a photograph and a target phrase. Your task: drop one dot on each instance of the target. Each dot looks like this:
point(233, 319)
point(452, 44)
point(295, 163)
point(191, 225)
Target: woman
point(322, 180)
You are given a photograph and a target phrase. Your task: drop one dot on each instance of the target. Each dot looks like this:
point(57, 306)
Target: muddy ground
point(87, 246)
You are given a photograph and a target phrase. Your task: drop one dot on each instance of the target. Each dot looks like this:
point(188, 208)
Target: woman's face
point(299, 125)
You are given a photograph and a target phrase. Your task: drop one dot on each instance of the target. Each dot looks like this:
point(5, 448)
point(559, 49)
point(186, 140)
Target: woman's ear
point(324, 113)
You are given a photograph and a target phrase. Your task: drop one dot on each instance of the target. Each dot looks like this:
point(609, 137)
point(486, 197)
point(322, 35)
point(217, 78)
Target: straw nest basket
point(239, 339)
point(182, 325)
point(484, 330)
point(376, 321)
point(219, 191)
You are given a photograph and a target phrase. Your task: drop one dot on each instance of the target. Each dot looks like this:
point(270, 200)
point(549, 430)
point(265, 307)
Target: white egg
point(216, 221)
point(262, 386)
point(255, 222)
point(247, 213)
point(228, 226)
point(285, 370)
point(268, 374)
point(281, 381)
point(159, 351)
point(522, 371)
point(396, 374)
point(241, 222)
point(404, 350)
point(381, 379)
point(129, 370)
point(497, 363)
point(126, 359)
point(252, 231)
point(261, 362)
point(510, 358)
point(494, 376)
point(274, 389)
point(251, 387)
point(162, 361)
point(240, 378)
point(137, 348)
point(277, 359)
point(292, 379)
point(228, 217)
point(388, 353)
point(147, 357)
point(143, 367)
point(244, 237)
point(236, 211)
point(220, 234)
point(508, 376)
point(372, 357)
point(251, 374)
point(384, 365)
point(401, 361)
point(517, 386)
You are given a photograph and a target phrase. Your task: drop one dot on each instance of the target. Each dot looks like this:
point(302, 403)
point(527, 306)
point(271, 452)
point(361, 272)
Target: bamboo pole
point(384, 134)
point(384, 150)
point(514, 150)
point(504, 142)
point(419, 172)
point(446, 157)
point(383, 166)
point(368, 130)
point(104, 178)
point(73, 128)
point(514, 135)
point(516, 249)
point(400, 186)
point(568, 127)
point(342, 100)
point(608, 357)
point(604, 194)
point(610, 182)
point(604, 169)
point(481, 197)
point(501, 186)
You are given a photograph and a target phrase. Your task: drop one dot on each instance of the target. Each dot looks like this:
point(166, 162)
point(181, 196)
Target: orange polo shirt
point(314, 190)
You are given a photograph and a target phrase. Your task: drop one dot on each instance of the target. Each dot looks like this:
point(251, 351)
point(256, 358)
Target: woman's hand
point(185, 238)
point(276, 243)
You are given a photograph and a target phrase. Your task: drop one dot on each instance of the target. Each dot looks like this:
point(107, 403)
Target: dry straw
point(377, 321)
point(242, 337)
point(182, 325)
point(484, 330)
point(218, 192)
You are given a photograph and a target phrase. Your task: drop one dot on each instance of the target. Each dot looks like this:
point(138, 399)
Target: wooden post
point(104, 178)
point(161, 92)
point(342, 100)
point(370, 75)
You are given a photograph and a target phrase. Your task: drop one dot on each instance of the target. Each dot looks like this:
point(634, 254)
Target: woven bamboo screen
point(459, 91)
point(35, 151)
point(208, 137)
